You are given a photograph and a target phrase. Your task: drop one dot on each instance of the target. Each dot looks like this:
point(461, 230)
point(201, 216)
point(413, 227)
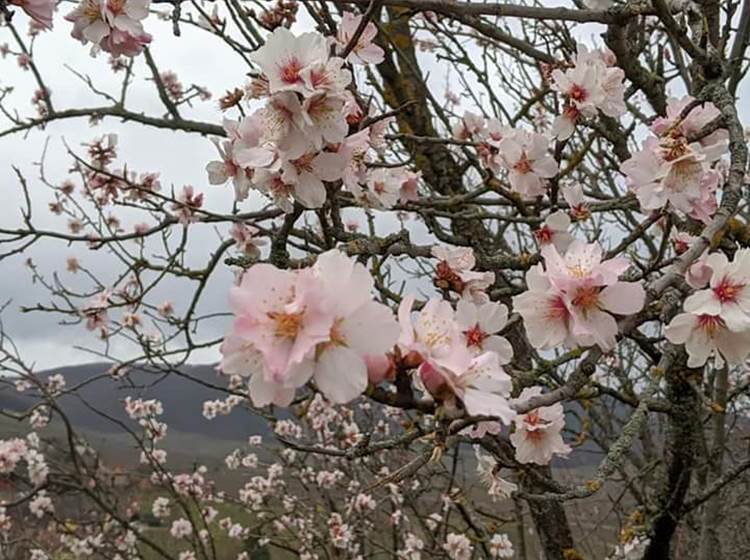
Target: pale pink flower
point(469, 127)
point(728, 296)
point(458, 547)
point(383, 188)
point(433, 334)
point(592, 85)
point(305, 175)
point(219, 172)
point(187, 202)
point(354, 152)
point(408, 192)
point(181, 528)
point(454, 272)
point(280, 124)
point(525, 155)
point(671, 169)
point(41, 11)
point(247, 239)
point(480, 325)
point(360, 327)
point(705, 336)
point(573, 195)
point(501, 547)
point(572, 301)
point(448, 368)
point(483, 387)
point(322, 119)
point(554, 230)
point(537, 437)
point(284, 56)
point(329, 77)
point(114, 27)
point(488, 471)
point(280, 313)
point(365, 51)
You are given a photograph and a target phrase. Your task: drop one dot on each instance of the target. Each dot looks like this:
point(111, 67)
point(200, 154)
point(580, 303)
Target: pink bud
point(379, 368)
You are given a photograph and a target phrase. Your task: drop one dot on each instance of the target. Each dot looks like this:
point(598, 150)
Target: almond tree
point(463, 245)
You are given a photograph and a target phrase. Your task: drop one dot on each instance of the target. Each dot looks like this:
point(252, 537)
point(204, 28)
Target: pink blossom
point(487, 469)
point(480, 325)
point(383, 188)
point(448, 368)
point(554, 230)
point(454, 272)
point(573, 195)
point(284, 56)
point(592, 85)
point(186, 204)
point(705, 336)
point(728, 296)
point(500, 546)
point(672, 169)
point(41, 11)
point(537, 433)
point(360, 327)
point(113, 26)
point(571, 302)
point(458, 547)
point(469, 127)
point(280, 314)
point(365, 51)
point(526, 156)
point(247, 239)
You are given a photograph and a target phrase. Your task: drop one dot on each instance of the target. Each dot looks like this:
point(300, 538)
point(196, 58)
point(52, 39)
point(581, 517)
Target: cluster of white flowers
point(716, 320)
point(300, 139)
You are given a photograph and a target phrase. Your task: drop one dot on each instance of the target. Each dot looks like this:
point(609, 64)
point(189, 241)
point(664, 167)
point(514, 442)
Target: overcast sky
point(180, 159)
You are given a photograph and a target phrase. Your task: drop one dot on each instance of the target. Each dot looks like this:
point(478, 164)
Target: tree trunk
point(680, 450)
point(710, 544)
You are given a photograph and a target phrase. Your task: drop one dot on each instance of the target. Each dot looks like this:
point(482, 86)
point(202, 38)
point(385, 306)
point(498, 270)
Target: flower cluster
point(677, 165)
point(113, 26)
point(459, 356)
point(716, 320)
point(571, 298)
point(522, 154)
point(317, 323)
point(299, 140)
point(593, 84)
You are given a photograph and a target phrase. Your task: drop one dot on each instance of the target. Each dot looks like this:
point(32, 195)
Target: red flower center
point(577, 93)
point(290, 71)
point(475, 336)
point(710, 323)
point(587, 298)
point(728, 292)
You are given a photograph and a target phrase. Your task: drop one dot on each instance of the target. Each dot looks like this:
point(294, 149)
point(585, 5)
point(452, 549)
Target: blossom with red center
point(572, 300)
point(537, 437)
point(671, 169)
point(705, 336)
point(554, 231)
point(526, 156)
point(591, 85)
point(284, 57)
point(728, 295)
